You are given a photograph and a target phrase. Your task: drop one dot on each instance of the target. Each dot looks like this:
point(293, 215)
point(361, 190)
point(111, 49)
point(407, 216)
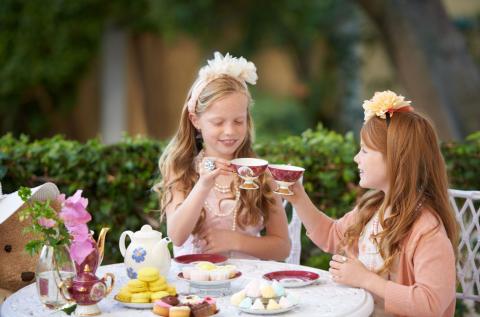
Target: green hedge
point(118, 178)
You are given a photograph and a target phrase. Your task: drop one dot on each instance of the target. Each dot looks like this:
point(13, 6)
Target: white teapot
point(147, 248)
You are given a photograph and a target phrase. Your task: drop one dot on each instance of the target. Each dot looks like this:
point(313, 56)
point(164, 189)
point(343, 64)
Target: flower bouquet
point(69, 255)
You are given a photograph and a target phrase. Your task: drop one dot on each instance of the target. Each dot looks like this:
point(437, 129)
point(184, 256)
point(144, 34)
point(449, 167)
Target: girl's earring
point(199, 140)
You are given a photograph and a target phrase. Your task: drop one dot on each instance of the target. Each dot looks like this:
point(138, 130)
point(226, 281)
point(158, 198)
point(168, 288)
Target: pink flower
point(74, 210)
point(79, 250)
point(46, 222)
point(79, 232)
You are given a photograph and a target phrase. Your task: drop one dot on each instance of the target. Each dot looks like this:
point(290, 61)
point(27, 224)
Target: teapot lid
point(146, 232)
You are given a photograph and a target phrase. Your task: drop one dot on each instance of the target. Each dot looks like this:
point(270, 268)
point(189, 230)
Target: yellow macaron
point(171, 290)
point(136, 286)
point(141, 297)
point(158, 295)
point(148, 274)
point(124, 296)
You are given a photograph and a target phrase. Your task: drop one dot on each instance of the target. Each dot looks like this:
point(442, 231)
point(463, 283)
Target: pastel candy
point(268, 292)
point(253, 289)
point(278, 288)
point(237, 298)
point(258, 304)
point(284, 302)
point(246, 303)
point(272, 304)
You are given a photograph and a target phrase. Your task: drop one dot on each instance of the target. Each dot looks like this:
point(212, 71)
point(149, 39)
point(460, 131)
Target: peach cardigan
point(425, 275)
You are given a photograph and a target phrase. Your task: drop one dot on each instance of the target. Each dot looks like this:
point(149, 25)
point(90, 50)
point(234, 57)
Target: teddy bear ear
point(10, 203)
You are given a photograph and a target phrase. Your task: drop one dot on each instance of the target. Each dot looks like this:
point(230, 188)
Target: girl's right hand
point(208, 175)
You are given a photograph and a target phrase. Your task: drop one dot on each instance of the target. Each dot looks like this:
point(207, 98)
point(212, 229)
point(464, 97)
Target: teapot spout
point(101, 244)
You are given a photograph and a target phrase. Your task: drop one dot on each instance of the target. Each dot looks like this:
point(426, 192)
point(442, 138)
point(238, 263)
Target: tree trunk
point(432, 62)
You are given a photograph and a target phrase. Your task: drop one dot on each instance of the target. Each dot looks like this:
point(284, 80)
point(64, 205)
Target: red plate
point(192, 258)
point(292, 278)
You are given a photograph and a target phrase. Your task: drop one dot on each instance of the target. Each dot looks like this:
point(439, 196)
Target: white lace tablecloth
point(324, 298)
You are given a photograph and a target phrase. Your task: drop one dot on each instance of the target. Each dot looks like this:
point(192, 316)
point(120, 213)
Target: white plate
point(267, 312)
point(208, 284)
point(135, 305)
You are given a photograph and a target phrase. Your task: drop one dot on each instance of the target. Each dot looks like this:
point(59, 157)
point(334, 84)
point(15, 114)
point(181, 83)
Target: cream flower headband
point(384, 104)
point(238, 68)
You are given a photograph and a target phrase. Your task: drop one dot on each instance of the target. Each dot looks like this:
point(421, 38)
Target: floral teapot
point(147, 248)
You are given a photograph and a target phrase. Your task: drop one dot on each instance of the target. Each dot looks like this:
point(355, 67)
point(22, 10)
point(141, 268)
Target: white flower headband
point(384, 104)
point(238, 68)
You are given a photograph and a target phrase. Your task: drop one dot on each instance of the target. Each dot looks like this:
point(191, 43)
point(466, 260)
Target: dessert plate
point(267, 312)
point(199, 257)
point(292, 278)
point(135, 305)
point(203, 284)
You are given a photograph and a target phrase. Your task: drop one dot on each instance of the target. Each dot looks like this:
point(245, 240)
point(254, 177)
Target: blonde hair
point(177, 165)
point(417, 175)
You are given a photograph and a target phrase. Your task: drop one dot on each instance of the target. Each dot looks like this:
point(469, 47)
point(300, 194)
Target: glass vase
point(55, 270)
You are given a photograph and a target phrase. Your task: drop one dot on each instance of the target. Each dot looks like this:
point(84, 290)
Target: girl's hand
point(210, 168)
point(216, 240)
point(298, 193)
point(349, 270)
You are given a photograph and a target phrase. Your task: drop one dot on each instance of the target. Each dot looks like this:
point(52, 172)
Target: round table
point(323, 298)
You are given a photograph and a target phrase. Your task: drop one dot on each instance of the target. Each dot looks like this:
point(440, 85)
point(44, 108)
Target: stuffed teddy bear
point(17, 267)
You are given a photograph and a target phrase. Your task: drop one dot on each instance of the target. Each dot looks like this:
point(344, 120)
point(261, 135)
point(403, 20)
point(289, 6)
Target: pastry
point(219, 275)
point(124, 296)
point(186, 271)
point(171, 300)
point(202, 310)
point(191, 300)
point(158, 285)
point(158, 295)
point(199, 275)
point(179, 311)
point(161, 308)
point(212, 302)
point(148, 274)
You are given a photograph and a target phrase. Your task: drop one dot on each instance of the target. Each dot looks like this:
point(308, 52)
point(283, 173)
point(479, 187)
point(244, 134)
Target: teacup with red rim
point(284, 176)
point(249, 169)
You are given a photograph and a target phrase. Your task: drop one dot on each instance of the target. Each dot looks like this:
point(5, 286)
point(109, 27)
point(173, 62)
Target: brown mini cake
point(202, 310)
point(170, 300)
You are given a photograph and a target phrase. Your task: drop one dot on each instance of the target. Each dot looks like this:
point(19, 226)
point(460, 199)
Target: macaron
point(158, 295)
point(141, 297)
point(148, 274)
point(136, 286)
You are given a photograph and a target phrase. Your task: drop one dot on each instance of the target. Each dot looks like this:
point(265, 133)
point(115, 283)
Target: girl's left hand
point(348, 270)
point(217, 240)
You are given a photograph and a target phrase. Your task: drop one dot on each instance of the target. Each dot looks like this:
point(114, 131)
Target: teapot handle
point(112, 282)
point(121, 243)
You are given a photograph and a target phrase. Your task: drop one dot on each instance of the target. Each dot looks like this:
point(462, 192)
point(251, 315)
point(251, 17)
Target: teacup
point(249, 169)
point(284, 176)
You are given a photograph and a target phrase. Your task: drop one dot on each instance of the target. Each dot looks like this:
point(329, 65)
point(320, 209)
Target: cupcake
point(202, 310)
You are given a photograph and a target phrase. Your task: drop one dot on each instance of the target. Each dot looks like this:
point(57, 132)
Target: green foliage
point(118, 178)
point(54, 235)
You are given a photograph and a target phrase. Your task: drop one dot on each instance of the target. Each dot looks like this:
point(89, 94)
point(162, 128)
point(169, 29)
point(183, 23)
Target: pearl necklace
point(222, 189)
point(234, 209)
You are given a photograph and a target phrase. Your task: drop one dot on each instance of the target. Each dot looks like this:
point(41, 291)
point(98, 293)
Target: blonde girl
point(399, 241)
point(206, 211)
